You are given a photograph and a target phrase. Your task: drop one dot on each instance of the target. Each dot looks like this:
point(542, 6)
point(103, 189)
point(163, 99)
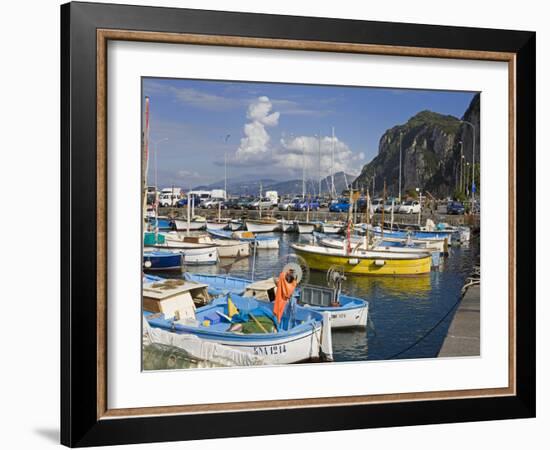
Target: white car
point(410, 207)
point(389, 205)
point(213, 203)
point(168, 199)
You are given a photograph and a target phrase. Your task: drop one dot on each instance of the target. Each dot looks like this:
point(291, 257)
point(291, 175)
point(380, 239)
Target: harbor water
point(408, 316)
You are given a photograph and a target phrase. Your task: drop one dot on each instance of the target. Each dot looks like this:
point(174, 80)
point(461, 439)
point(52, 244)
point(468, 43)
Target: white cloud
point(287, 156)
point(298, 151)
point(255, 143)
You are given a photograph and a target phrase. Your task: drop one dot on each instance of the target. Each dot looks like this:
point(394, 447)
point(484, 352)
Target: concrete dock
point(463, 334)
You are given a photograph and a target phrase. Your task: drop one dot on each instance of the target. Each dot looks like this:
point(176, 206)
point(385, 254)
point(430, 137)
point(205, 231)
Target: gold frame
point(103, 36)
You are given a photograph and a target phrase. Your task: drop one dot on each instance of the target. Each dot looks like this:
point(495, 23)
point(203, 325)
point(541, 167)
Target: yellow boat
point(365, 262)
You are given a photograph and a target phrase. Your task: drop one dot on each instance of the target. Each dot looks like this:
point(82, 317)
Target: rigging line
point(429, 331)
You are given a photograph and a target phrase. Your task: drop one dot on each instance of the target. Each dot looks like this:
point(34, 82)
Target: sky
point(263, 130)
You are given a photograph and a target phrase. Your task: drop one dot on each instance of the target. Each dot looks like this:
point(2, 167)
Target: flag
point(231, 308)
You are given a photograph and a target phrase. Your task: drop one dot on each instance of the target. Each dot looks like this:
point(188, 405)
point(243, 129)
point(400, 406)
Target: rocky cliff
point(431, 146)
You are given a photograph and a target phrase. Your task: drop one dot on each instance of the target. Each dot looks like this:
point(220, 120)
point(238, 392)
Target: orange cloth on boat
point(284, 292)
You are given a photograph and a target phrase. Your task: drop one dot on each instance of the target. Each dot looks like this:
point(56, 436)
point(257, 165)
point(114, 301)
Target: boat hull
point(305, 228)
point(267, 244)
point(181, 225)
point(283, 350)
point(350, 318)
point(332, 229)
point(360, 265)
point(162, 260)
point(216, 225)
point(201, 255)
point(232, 249)
point(258, 227)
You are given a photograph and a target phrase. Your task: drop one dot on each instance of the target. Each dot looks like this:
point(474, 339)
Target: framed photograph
point(309, 222)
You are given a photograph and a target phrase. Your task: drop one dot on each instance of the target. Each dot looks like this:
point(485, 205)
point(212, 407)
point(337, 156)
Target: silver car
point(285, 205)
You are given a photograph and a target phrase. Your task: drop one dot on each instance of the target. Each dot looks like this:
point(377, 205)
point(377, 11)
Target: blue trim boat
point(350, 312)
point(302, 335)
point(161, 260)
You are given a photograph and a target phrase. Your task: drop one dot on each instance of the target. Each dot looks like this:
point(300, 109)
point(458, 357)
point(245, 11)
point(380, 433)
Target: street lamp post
point(400, 158)
point(473, 158)
point(461, 161)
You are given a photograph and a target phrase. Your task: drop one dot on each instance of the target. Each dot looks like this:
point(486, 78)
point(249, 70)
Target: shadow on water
point(403, 310)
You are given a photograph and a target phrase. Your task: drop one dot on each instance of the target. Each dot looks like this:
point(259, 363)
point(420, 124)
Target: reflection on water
point(402, 309)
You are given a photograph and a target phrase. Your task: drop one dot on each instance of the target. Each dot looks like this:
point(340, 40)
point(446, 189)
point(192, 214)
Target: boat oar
point(258, 323)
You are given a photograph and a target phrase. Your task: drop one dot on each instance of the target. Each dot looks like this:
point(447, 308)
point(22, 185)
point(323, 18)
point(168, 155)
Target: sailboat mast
point(225, 175)
point(260, 201)
point(303, 171)
point(145, 161)
point(319, 138)
point(332, 189)
point(383, 207)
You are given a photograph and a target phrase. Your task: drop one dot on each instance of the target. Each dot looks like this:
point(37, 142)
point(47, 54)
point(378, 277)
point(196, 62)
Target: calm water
point(409, 316)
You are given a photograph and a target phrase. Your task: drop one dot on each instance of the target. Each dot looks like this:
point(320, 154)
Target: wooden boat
point(261, 242)
point(332, 227)
point(364, 262)
point(302, 335)
point(350, 311)
point(217, 224)
point(429, 244)
point(305, 227)
point(193, 253)
point(382, 246)
point(227, 248)
point(262, 225)
point(414, 234)
point(196, 223)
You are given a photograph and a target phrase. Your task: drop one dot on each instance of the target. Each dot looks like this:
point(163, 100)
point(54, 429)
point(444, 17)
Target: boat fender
point(147, 264)
point(379, 262)
point(353, 261)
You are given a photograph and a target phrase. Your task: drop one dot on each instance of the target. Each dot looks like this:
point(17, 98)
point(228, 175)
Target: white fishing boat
point(192, 251)
point(193, 256)
point(302, 335)
point(195, 224)
point(261, 242)
point(440, 245)
point(217, 224)
point(332, 227)
point(305, 227)
point(262, 225)
point(226, 248)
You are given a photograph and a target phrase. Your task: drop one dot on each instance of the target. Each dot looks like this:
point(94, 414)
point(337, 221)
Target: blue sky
point(265, 129)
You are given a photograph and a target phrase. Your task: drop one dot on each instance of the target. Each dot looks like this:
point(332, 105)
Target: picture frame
point(86, 28)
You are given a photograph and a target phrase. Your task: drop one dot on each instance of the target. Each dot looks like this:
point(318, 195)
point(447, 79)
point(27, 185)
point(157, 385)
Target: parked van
point(273, 196)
